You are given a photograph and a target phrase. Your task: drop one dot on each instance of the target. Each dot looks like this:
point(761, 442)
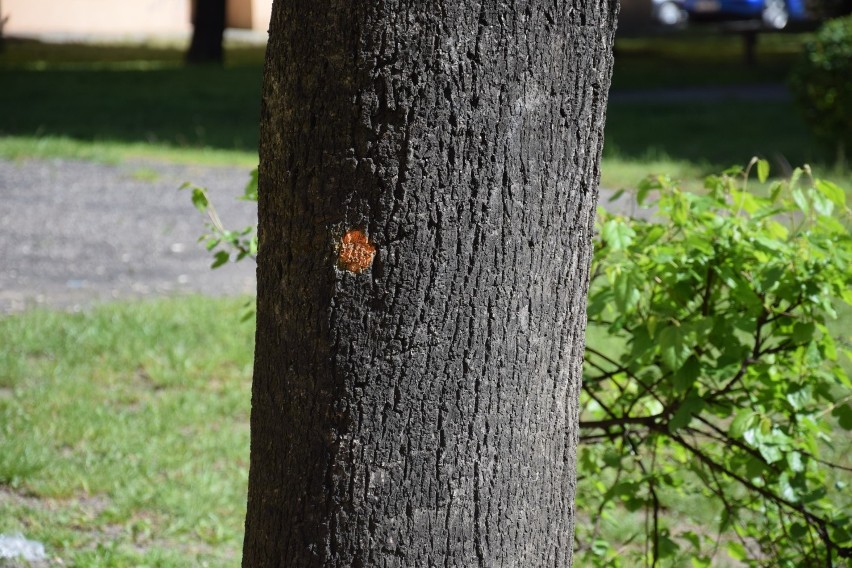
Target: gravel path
point(73, 232)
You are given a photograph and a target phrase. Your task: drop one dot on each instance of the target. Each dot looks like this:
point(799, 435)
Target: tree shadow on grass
point(141, 96)
point(145, 94)
point(717, 134)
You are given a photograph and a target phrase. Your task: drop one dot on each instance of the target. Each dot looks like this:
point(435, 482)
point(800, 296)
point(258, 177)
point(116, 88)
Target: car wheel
point(669, 14)
point(775, 15)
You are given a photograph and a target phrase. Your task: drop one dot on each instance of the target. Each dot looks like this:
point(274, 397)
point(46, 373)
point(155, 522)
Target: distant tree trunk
point(208, 28)
point(428, 185)
point(3, 20)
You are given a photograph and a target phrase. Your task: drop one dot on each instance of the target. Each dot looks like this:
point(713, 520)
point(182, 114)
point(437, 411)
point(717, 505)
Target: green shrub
point(713, 380)
point(822, 85)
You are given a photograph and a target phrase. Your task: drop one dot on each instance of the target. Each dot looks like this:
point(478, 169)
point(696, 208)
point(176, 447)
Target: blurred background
point(698, 84)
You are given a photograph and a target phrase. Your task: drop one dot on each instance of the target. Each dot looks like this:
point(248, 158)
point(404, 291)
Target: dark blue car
point(773, 13)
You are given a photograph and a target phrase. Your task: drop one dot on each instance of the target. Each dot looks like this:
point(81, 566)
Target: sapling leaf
point(686, 376)
point(800, 200)
point(822, 204)
point(646, 186)
point(831, 191)
point(672, 348)
point(666, 546)
point(787, 489)
point(762, 170)
point(199, 199)
point(800, 398)
point(690, 406)
point(843, 414)
point(679, 209)
point(617, 234)
point(742, 421)
point(794, 461)
point(616, 195)
point(220, 258)
point(250, 191)
point(626, 291)
point(803, 332)
point(736, 550)
point(776, 231)
point(775, 190)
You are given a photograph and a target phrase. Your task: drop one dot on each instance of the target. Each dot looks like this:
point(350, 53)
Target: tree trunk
point(3, 21)
point(208, 27)
point(428, 184)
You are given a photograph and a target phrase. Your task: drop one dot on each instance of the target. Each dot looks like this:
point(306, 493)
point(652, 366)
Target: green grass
point(694, 139)
point(709, 134)
point(204, 107)
point(124, 432)
point(113, 102)
point(690, 139)
point(111, 151)
point(696, 58)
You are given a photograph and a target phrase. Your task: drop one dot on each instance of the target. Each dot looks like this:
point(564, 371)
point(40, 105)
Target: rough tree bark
point(428, 183)
point(208, 29)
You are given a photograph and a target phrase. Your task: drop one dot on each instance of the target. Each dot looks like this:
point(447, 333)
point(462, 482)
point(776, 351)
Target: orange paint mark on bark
point(356, 251)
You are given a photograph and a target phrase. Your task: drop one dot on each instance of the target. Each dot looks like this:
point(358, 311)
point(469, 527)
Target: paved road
point(75, 232)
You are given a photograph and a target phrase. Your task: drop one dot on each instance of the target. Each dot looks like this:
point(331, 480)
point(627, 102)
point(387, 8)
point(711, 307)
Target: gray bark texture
point(428, 184)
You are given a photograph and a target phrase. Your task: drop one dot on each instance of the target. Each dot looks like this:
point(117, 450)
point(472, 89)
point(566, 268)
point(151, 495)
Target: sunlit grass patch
point(125, 431)
point(115, 151)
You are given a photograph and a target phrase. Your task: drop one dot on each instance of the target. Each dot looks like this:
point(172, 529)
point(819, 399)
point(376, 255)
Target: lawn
point(124, 435)
point(690, 139)
point(113, 102)
point(124, 432)
point(699, 59)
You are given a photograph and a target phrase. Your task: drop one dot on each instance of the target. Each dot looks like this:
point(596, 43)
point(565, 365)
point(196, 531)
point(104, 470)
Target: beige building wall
point(249, 14)
point(121, 17)
point(238, 14)
point(260, 16)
